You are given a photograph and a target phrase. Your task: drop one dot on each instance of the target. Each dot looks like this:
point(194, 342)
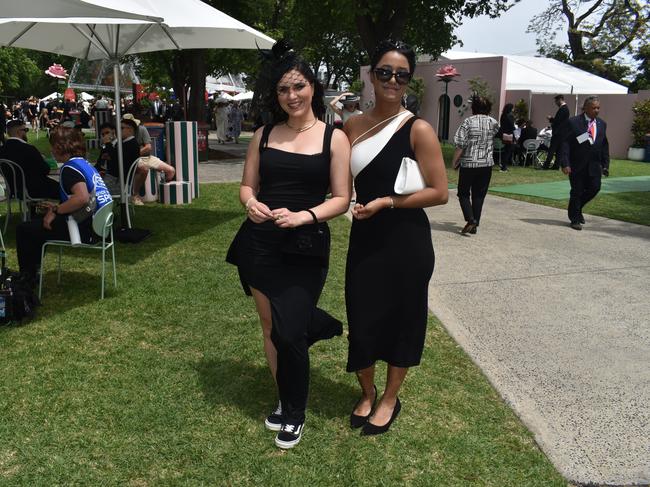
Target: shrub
point(641, 122)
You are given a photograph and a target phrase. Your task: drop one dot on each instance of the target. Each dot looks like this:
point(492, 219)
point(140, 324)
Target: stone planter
point(636, 153)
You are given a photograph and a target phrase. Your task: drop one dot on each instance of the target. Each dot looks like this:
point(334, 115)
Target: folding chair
point(103, 226)
point(498, 148)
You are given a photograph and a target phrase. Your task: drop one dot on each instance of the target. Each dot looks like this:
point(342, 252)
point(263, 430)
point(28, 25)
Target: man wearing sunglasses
point(36, 170)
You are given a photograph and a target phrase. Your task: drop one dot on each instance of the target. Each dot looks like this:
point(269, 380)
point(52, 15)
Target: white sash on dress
point(365, 151)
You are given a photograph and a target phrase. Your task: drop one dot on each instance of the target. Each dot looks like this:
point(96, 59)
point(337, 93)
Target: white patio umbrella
point(143, 26)
point(247, 95)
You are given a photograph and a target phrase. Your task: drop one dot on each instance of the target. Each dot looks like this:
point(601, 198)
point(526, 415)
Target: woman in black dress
point(390, 257)
point(291, 164)
point(507, 123)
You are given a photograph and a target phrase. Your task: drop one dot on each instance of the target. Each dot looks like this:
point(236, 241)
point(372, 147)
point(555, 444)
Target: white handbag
point(409, 178)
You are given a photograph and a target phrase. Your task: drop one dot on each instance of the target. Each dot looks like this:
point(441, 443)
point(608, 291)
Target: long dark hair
point(275, 63)
point(507, 108)
point(389, 45)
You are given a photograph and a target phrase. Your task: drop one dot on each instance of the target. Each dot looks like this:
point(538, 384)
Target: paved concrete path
point(559, 321)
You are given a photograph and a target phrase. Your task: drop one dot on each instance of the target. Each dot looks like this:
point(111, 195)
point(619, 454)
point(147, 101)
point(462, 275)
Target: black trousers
point(506, 157)
point(552, 151)
point(297, 324)
point(584, 187)
point(31, 235)
point(473, 184)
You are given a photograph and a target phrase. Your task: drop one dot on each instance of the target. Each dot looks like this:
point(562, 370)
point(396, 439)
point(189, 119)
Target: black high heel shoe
point(372, 429)
point(357, 421)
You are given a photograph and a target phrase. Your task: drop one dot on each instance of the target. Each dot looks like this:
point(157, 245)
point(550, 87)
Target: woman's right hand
point(258, 212)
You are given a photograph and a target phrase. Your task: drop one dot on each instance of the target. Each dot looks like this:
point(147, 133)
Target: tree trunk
point(198, 73)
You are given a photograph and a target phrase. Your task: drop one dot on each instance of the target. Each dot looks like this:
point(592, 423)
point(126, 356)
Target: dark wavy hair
point(389, 45)
point(68, 142)
point(507, 108)
point(481, 105)
point(275, 63)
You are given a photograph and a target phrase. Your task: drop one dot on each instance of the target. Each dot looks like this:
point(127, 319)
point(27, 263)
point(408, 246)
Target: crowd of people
point(298, 174)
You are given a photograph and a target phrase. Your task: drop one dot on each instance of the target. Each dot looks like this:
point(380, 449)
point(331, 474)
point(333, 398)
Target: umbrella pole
point(120, 154)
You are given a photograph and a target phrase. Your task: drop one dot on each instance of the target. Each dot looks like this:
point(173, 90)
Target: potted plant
point(640, 130)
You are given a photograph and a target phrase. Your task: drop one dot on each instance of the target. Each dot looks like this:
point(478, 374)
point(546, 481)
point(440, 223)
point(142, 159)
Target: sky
point(503, 35)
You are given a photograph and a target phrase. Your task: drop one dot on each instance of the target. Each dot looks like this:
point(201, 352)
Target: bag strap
point(378, 124)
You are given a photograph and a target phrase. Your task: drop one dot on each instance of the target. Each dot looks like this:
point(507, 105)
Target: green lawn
point(631, 207)
point(164, 382)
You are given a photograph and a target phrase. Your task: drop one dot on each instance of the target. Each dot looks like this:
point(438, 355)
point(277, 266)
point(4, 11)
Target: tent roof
point(545, 75)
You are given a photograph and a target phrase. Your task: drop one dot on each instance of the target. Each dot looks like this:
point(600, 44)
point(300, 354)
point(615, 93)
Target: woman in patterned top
point(474, 141)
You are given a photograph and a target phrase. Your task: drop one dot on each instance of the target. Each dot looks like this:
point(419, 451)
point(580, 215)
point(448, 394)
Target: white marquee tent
point(544, 75)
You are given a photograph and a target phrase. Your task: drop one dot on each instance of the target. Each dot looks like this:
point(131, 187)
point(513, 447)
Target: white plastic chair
point(531, 147)
point(103, 226)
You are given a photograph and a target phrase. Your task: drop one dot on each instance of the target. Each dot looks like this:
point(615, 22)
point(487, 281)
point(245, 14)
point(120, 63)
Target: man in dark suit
point(157, 110)
point(584, 157)
point(558, 128)
point(16, 149)
point(528, 132)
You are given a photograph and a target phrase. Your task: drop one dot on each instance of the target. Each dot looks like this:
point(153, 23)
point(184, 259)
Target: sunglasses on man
point(384, 75)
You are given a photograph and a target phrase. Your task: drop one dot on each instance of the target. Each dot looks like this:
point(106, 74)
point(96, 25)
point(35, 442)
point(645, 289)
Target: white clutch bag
point(409, 178)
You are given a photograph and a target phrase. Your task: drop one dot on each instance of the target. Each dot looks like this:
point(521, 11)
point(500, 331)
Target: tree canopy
point(596, 32)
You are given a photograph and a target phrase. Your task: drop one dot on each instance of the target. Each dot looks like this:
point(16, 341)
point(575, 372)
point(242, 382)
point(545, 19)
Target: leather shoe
point(468, 228)
point(576, 226)
point(370, 429)
point(581, 219)
point(474, 230)
point(357, 421)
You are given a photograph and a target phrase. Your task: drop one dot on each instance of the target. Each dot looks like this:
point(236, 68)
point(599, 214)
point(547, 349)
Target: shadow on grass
point(248, 387)
point(169, 226)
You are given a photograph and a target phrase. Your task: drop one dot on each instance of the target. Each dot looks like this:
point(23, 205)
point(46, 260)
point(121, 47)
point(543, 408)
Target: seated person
point(36, 170)
point(146, 161)
point(528, 132)
point(78, 181)
point(141, 136)
point(106, 152)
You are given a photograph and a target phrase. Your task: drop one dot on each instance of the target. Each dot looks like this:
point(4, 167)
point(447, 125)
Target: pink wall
point(616, 110)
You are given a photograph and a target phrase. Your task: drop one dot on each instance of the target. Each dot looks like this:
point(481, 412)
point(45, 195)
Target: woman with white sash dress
point(390, 257)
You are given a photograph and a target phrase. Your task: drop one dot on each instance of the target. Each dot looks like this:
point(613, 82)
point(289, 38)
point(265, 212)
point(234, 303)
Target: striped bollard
point(182, 152)
point(175, 193)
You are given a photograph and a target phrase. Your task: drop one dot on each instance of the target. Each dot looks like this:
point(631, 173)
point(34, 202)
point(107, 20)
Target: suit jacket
point(559, 122)
point(157, 114)
point(585, 156)
point(32, 163)
point(130, 153)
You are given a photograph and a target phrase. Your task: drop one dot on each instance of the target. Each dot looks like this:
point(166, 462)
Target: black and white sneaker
point(273, 421)
point(289, 435)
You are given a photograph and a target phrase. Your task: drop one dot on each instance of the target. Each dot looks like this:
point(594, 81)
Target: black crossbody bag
point(307, 241)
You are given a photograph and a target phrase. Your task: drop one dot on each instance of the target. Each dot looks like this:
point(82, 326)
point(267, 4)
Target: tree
point(427, 26)
point(642, 80)
point(597, 31)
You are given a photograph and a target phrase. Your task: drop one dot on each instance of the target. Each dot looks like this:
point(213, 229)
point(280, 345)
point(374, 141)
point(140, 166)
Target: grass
point(164, 382)
point(630, 207)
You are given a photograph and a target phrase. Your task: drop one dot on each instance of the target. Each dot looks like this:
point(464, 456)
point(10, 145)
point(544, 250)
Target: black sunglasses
point(384, 75)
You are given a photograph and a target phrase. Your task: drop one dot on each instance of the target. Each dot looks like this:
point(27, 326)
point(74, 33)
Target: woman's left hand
point(362, 212)
point(289, 219)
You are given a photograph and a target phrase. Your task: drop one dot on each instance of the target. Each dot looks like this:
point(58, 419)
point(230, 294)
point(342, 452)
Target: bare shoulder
point(422, 131)
point(339, 137)
point(355, 126)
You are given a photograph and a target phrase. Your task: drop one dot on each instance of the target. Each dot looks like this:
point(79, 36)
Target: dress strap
point(265, 136)
point(327, 140)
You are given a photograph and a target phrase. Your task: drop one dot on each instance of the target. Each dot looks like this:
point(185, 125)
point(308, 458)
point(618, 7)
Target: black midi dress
point(292, 284)
point(389, 264)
